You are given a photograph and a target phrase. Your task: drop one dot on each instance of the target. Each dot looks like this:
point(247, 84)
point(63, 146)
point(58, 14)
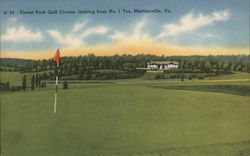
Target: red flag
point(57, 57)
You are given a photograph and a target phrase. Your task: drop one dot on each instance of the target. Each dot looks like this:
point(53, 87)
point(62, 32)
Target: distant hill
point(15, 61)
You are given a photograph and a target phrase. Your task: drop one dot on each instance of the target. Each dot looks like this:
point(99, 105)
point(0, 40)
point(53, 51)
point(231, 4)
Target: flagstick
point(56, 90)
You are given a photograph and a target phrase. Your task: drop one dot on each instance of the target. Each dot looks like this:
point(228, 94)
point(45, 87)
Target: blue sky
point(191, 23)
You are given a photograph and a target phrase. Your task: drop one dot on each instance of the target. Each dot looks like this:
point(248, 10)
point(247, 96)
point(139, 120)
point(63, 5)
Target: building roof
point(164, 62)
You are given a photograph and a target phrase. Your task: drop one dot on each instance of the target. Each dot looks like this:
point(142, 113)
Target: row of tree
point(35, 83)
point(71, 65)
point(89, 66)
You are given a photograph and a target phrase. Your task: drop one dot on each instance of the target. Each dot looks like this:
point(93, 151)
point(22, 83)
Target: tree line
point(90, 61)
point(124, 66)
point(35, 83)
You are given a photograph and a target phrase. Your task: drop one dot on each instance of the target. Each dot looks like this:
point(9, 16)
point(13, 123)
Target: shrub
point(65, 84)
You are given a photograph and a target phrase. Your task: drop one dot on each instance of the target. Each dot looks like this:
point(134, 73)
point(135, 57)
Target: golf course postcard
point(124, 78)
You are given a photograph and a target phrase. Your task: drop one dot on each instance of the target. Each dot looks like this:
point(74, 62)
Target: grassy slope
point(125, 118)
point(15, 78)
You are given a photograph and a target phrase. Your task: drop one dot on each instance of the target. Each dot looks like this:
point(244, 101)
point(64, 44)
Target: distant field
point(15, 78)
point(129, 117)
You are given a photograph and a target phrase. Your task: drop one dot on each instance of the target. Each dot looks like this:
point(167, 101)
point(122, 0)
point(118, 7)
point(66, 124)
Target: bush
point(4, 86)
point(182, 77)
point(65, 84)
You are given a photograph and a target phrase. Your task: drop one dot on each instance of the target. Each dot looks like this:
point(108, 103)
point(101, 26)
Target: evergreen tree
point(43, 85)
point(24, 83)
point(8, 85)
point(33, 82)
point(182, 77)
point(37, 80)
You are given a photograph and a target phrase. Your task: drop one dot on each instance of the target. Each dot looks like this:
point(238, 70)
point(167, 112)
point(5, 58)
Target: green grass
point(14, 78)
point(126, 117)
point(109, 71)
point(150, 75)
point(237, 75)
point(229, 89)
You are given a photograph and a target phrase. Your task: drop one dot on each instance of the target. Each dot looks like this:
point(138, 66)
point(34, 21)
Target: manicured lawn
point(126, 118)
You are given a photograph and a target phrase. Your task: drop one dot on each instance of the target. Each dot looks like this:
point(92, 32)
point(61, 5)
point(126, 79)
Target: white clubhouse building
point(162, 65)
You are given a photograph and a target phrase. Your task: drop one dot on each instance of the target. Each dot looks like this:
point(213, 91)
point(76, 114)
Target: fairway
point(124, 78)
point(125, 119)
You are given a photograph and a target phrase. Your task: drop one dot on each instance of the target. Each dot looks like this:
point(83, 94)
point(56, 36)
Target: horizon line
point(188, 55)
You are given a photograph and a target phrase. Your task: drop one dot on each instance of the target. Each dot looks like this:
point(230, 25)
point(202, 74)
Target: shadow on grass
point(223, 149)
point(228, 89)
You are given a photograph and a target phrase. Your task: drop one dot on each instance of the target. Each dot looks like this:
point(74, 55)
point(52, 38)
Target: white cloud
point(208, 35)
point(136, 34)
point(100, 30)
point(68, 39)
point(78, 26)
point(75, 38)
point(22, 34)
point(190, 23)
